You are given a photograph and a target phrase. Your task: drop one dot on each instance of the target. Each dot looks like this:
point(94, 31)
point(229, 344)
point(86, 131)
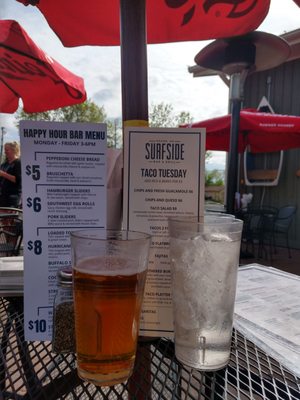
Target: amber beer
point(107, 315)
point(108, 295)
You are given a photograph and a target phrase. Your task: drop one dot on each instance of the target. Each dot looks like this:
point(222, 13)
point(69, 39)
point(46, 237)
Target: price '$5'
point(33, 171)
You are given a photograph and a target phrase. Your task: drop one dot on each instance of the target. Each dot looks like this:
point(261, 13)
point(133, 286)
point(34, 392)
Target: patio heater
point(237, 57)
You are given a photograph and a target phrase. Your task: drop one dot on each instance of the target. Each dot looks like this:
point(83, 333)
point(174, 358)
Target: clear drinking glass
point(204, 262)
point(109, 273)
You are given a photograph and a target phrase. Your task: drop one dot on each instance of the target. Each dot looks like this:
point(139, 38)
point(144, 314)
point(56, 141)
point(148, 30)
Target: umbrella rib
point(22, 53)
point(9, 87)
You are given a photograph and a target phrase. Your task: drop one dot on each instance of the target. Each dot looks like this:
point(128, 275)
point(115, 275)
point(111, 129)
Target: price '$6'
point(35, 203)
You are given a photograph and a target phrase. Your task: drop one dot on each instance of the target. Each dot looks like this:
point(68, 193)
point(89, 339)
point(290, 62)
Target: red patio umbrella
point(98, 22)
point(113, 22)
point(28, 73)
point(263, 132)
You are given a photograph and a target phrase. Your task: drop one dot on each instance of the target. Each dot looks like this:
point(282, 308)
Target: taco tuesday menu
point(64, 189)
point(163, 177)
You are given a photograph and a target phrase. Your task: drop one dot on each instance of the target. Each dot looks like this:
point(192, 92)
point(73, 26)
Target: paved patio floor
point(279, 260)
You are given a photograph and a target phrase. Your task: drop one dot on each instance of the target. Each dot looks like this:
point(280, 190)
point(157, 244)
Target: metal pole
point(232, 171)
point(3, 131)
point(134, 60)
point(134, 79)
point(235, 94)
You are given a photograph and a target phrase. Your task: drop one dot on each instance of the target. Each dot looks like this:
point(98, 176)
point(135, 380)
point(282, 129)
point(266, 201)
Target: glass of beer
point(109, 273)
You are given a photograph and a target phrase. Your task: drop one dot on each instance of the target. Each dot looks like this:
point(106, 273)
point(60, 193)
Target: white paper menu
point(64, 189)
point(163, 177)
point(267, 311)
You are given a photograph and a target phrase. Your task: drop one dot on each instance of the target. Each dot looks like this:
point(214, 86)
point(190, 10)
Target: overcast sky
point(168, 77)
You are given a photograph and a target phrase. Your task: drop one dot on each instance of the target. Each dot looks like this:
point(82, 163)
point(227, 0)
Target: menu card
point(267, 311)
point(64, 189)
point(163, 177)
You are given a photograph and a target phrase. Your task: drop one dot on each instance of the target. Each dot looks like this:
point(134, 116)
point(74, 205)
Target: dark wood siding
point(281, 86)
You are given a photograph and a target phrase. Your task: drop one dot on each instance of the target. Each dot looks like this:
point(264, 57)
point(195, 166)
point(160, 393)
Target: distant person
point(10, 176)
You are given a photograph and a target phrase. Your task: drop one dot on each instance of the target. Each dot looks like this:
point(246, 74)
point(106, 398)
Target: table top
point(29, 370)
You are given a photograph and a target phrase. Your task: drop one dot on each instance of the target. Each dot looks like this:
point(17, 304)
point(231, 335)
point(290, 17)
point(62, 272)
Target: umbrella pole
point(236, 92)
point(232, 171)
point(134, 81)
point(134, 62)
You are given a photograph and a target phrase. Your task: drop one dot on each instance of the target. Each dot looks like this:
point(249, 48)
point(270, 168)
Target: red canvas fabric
point(264, 132)
point(97, 22)
point(27, 72)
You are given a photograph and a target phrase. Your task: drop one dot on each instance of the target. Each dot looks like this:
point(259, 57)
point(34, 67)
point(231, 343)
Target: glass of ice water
point(204, 262)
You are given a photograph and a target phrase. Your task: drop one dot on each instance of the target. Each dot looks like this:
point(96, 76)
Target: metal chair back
point(284, 218)
point(11, 231)
point(282, 224)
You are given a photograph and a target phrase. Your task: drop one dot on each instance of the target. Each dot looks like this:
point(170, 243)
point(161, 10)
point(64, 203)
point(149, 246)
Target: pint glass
point(204, 263)
point(109, 272)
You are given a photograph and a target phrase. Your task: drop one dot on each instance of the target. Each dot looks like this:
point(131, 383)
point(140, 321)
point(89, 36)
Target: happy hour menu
point(163, 177)
point(64, 189)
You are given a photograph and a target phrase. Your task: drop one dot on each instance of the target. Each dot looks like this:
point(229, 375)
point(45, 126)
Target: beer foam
point(110, 266)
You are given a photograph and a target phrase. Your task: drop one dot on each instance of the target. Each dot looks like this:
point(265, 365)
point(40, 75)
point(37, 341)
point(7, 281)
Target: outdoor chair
point(18, 212)
point(257, 222)
point(11, 231)
point(281, 226)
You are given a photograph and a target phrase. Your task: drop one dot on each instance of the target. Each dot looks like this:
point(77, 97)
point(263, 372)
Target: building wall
point(281, 86)
point(215, 193)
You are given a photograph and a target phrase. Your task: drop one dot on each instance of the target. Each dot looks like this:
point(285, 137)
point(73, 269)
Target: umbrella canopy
point(124, 22)
point(263, 132)
point(28, 73)
point(98, 22)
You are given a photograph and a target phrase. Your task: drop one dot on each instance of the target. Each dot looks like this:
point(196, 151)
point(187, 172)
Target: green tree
point(115, 135)
point(208, 155)
point(214, 178)
point(162, 115)
point(184, 117)
point(84, 112)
